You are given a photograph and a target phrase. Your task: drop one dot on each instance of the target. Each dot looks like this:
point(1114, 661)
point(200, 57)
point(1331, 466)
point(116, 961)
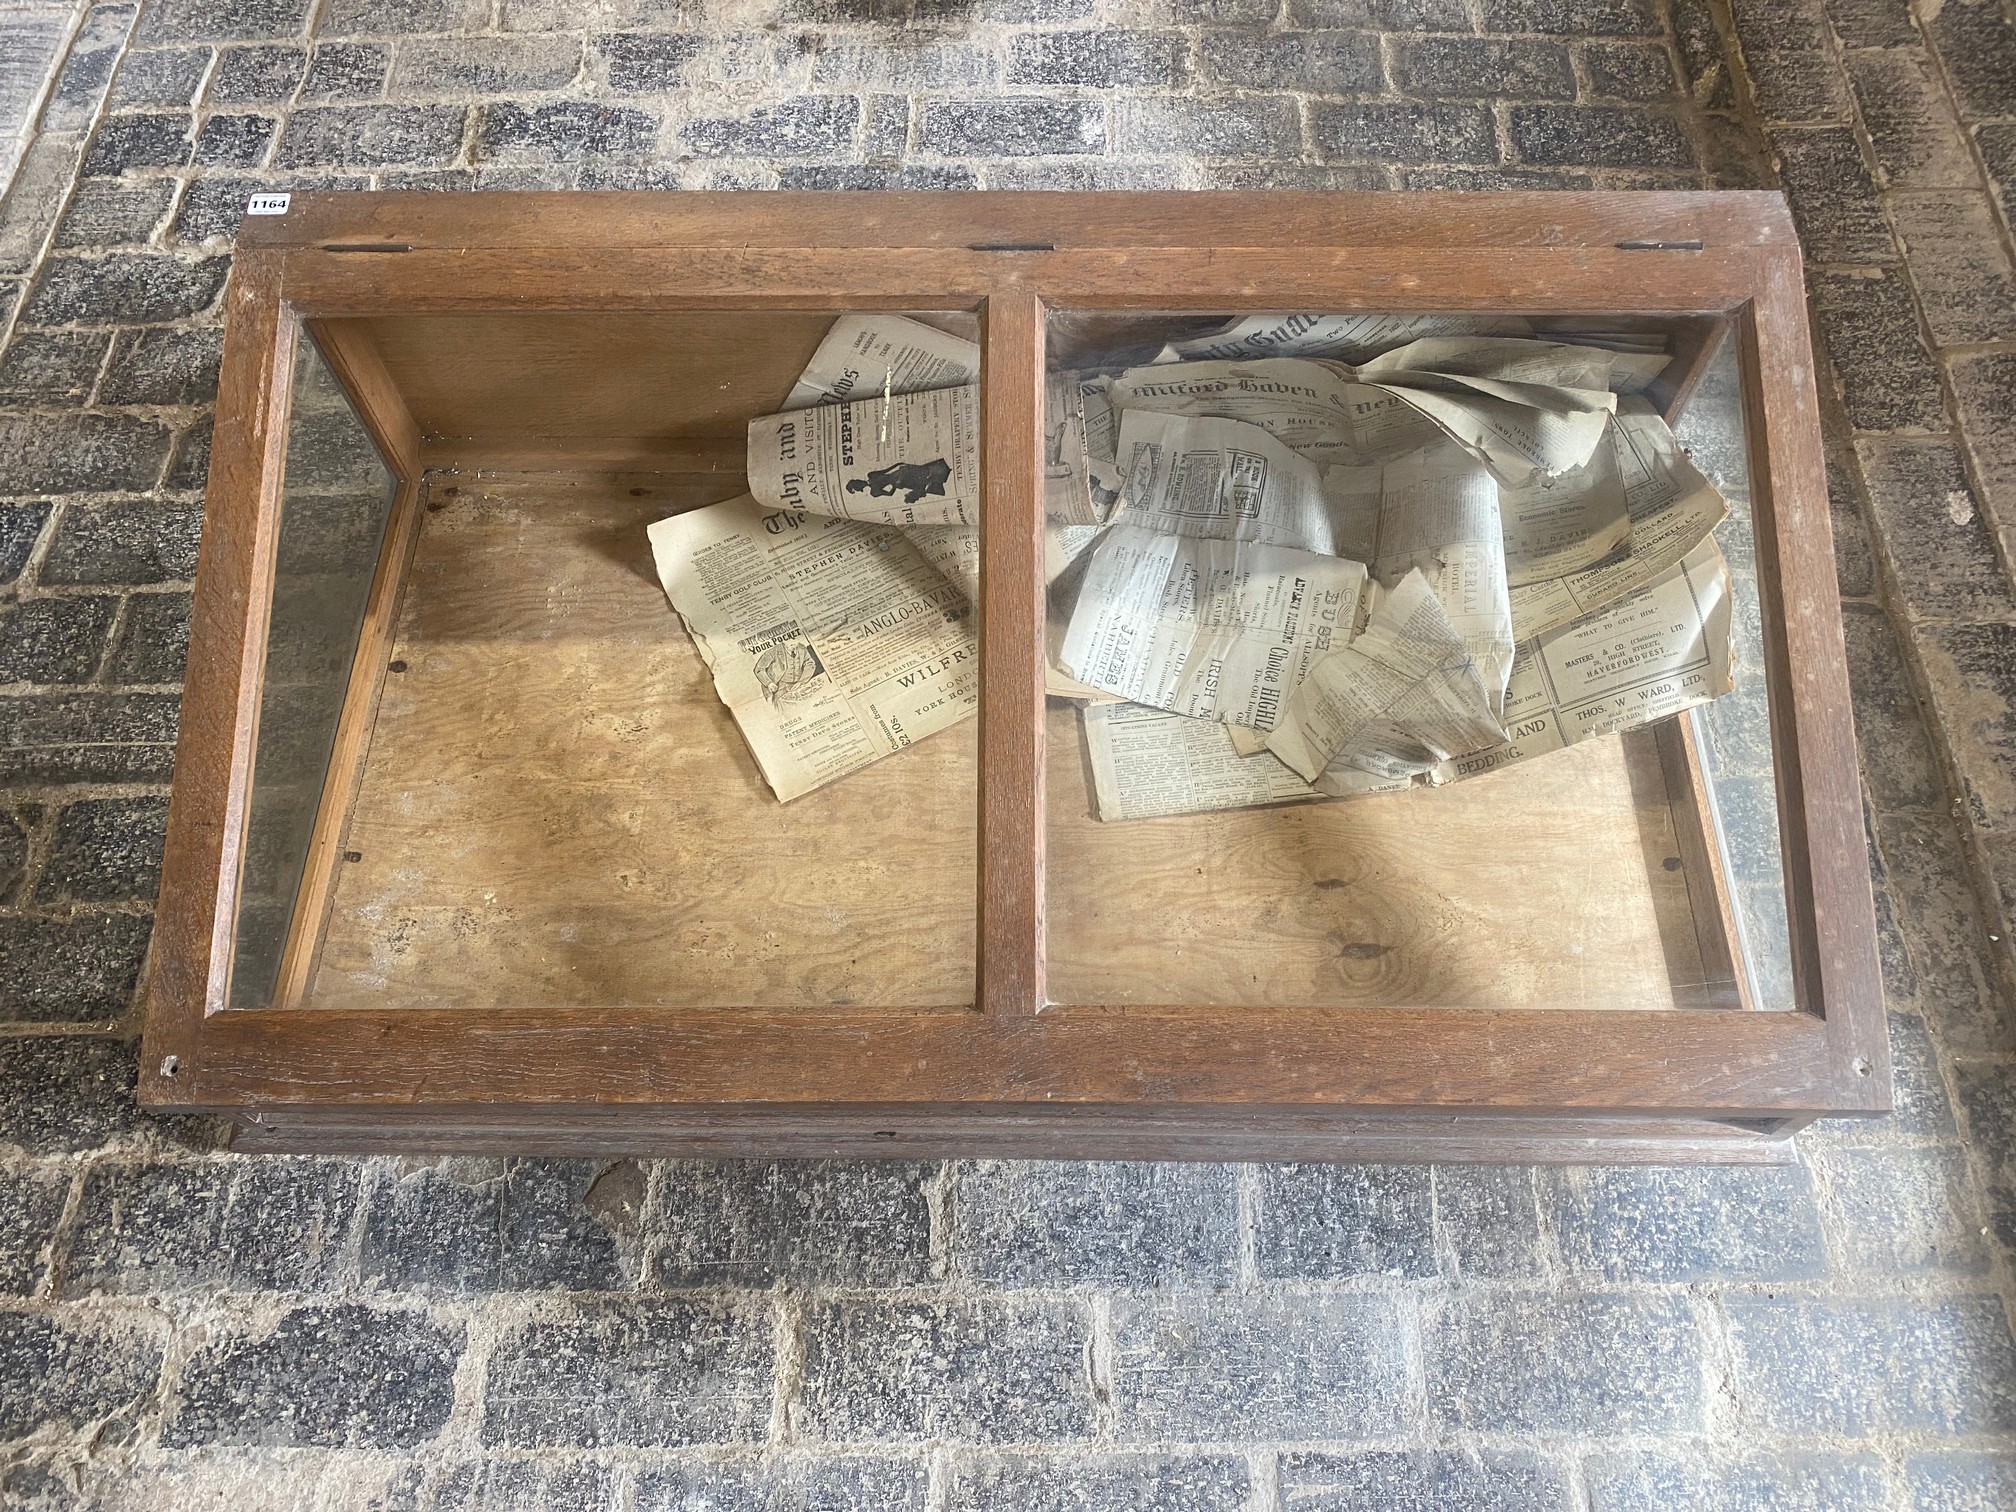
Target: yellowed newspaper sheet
point(1231, 481)
point(1311, 407)
point(876, 353)
point(1148, 763)
point(1214, 629)
point(834, 643)
point(1403, 692)
point(1347, 338)
point(911, 459)
point(1662, 648)
point(1673, 509)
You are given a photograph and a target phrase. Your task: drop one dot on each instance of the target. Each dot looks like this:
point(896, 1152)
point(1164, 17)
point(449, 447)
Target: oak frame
point(1014, 1075)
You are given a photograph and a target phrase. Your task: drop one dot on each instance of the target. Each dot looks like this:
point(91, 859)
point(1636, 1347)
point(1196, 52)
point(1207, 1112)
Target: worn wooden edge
point(316, 894)
point(1697, 341)
point(1829, 897)
point(1029, 1133)
point(1011, 817)
point(196, 916)
point(1697, 830)
point(352, 354)
point(1708, 1063)
point(1563, 281)
point(1016, 223)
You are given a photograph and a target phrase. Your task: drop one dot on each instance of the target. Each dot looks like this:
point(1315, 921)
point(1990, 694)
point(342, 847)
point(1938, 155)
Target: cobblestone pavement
point(179, 1327)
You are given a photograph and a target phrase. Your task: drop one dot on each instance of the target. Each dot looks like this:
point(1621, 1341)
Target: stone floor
point(179, 1327)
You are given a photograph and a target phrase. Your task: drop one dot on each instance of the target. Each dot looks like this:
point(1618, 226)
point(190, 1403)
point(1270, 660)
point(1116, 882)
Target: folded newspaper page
point(1520, 406)
point(1660, 649)
point(1406, 685)
point(1384, 760)
point(911, 459)
point(1214, 629)
point(1632, 372)
point(1148, 763)
point(954, 550)
point(1347, 338)
point(906, 451)
point(1672, 508)
point(1312, 408)
point(1435, 509)
point(1549, 374)
point(1641, 356)
point(882, 354)
point(1438, 513)
point(1231, 481)
point(1081, 481)
point(834, 643)
point(1066, 552)
point(1565, 522)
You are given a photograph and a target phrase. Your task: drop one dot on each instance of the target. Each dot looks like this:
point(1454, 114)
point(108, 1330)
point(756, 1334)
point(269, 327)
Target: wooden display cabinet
point(465, 854)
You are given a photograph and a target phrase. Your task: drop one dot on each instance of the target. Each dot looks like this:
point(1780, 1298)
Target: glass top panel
point(678, 709)
point(1413, 661)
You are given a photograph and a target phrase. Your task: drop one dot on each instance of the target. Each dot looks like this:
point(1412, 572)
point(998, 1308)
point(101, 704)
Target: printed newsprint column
point(1229, 480)
point(954, 550)
point(1148, 763)
point(1658, 650)
point(1309, 406)
point(1550, 375)
point(877, 354)
point(1564, 523)
point(1673, 509)
point(1081, 482)
point(1637, 357)
point(1312, 408)
point(1408, 675)
point(1064, 546)
point(1213, 629)
point(1438, 512)
point(912, 459)
point(1348, 338)
point(832, 642)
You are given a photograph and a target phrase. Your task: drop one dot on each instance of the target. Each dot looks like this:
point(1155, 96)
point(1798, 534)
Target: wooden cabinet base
point(908, 1133)
point(464, 853)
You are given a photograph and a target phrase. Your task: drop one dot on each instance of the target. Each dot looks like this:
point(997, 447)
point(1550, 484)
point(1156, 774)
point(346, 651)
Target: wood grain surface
point(578, 380)
point(1015, 221)
point(1556, 883)
point(557, 809)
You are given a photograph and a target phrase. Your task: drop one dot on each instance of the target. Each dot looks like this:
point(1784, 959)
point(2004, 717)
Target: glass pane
point(335, 501)
point(647, 738)
point(1414, 664)
point(1737, 751)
